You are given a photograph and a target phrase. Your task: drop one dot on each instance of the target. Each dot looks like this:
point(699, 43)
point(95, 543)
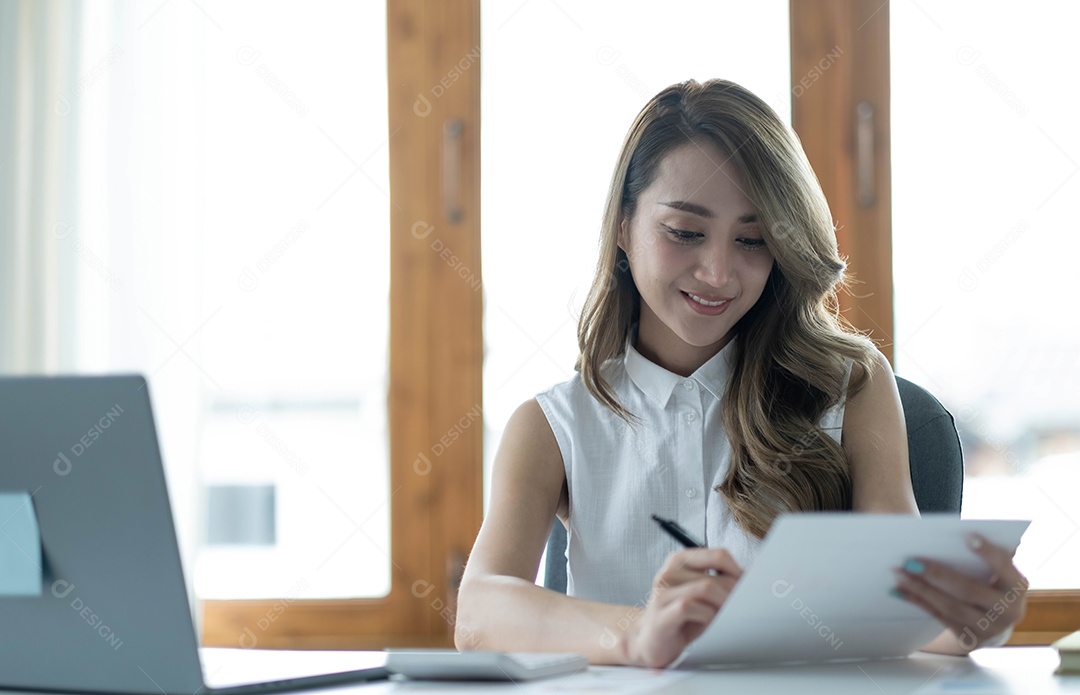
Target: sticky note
point(20, 546)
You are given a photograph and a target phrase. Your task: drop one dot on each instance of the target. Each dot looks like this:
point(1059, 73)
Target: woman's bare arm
point(500, 607)
point(875, 440)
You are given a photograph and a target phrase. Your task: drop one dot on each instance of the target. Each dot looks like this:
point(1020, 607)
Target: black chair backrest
point(934, 453)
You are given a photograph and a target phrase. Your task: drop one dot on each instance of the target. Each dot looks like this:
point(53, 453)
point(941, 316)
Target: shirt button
point(688, 385)
point(690, 492)
point(691, 416)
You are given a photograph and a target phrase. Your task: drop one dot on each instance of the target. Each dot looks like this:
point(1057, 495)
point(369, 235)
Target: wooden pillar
point(840, 109)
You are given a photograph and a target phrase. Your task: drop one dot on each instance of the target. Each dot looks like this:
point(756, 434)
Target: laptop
point(110, 612)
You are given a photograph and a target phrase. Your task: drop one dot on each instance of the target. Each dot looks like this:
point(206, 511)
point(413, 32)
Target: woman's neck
point(660, 345)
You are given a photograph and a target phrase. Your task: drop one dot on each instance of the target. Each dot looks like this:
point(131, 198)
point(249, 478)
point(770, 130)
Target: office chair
point(936, 460)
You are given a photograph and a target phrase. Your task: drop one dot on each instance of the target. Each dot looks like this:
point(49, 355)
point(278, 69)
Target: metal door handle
point(451, 170)
point(864, 152)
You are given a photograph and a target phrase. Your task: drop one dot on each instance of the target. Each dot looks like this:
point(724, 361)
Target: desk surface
point(1021, 670)
point(1011, 670)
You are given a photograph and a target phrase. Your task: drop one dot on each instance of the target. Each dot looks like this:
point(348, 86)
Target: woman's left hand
point(974, 611)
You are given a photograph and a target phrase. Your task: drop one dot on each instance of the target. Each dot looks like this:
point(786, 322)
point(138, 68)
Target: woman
point(716, 385)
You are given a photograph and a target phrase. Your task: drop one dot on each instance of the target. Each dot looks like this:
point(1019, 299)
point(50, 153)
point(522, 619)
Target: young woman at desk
point(715, 383)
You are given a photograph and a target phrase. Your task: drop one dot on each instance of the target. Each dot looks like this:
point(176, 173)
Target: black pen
point(677, 532)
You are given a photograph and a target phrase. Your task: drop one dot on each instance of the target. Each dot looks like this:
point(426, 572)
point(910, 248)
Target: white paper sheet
point(819, 588)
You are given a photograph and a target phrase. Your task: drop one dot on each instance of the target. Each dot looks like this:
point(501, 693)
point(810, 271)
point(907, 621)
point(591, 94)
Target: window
point(984, 162)
point(242, 218)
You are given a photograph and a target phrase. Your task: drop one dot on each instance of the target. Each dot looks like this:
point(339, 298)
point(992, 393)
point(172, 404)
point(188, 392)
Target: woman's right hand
point(686, 595)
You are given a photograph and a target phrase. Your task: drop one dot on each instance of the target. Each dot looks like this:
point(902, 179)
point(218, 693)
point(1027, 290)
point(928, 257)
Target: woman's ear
point(624, 233)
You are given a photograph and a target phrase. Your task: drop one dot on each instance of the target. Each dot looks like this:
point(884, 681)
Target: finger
point(688, 609)
point(678, 576)
point(679, 614)
point(960, 585)
point(682, 623)
point(696, 625)
point(1000, 560)
point(710, 591)
point(687, 615)
point(704, 559)
point(993, 553)
point(713, 588)
point(917, 600)
point(954, 613)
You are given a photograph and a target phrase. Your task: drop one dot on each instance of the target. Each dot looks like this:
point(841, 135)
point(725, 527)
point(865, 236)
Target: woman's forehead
point(699, 177)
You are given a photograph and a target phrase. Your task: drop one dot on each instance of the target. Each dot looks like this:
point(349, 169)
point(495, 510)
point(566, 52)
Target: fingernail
point(895, 593)
point(975, 542)
point(914, 566)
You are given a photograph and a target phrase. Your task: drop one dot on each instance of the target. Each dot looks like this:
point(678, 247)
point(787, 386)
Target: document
point(819, 589)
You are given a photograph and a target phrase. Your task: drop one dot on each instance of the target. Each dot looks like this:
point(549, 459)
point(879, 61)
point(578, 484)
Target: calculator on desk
point(450, 664)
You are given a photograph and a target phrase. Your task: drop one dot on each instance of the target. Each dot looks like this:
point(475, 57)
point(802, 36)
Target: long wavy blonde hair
point(791, 349)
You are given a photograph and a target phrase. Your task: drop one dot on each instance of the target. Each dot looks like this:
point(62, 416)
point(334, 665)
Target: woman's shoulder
point(574, 393)
point(872, 368)
point(561, 401)
point(571, 388)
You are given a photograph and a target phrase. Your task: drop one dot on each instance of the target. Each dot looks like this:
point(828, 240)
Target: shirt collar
point(658, 383)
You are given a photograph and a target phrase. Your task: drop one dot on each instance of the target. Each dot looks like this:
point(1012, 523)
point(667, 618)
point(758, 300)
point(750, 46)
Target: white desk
point(1011, 670)
point(1019, 670)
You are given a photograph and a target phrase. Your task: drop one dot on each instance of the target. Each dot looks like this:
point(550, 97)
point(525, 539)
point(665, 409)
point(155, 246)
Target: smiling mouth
point(705, 302)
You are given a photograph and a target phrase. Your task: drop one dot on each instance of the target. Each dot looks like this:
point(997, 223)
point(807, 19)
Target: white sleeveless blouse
point(618, 475)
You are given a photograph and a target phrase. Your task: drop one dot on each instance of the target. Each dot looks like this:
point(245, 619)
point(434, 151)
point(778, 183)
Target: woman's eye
point(682, 234)
point(751, 243)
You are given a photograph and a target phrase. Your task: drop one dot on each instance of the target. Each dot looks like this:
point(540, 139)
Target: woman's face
point(697, 256)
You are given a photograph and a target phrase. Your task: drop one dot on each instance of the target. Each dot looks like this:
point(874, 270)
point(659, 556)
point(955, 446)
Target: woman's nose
point(714, 267)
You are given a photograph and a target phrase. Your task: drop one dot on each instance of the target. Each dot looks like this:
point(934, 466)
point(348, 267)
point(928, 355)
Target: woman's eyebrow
point(701, 211)
point(692, 208)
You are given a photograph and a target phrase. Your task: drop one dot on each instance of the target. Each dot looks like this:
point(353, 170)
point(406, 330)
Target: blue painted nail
point(895, 593)
point(914, 566)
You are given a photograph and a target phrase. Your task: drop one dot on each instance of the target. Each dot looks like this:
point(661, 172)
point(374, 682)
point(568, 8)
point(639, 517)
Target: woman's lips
point(708, 306)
